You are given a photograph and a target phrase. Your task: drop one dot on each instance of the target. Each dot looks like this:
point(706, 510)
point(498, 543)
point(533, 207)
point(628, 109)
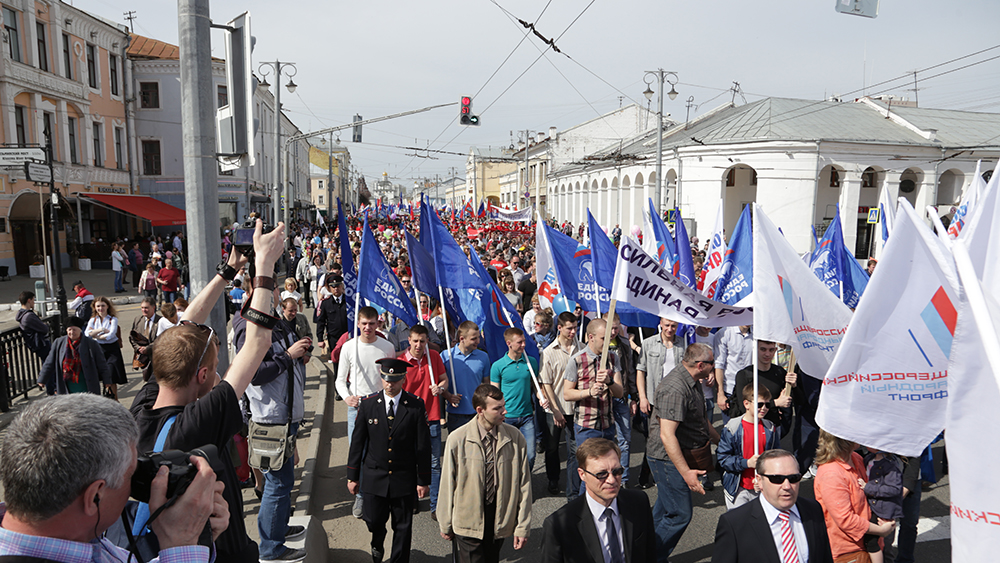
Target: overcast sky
point(382, 57)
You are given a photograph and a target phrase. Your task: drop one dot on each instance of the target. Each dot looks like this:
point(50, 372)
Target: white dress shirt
point(600, 522)
point(794, 519)
point(393, 401)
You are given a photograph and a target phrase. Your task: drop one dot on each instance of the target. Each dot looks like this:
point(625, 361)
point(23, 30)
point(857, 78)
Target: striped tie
point(489, 444)
point(789, 553)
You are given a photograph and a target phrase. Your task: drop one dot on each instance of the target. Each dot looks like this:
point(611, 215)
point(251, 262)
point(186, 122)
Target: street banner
point(713, 258)
point(347, 262)
point(791, 305)
point(736, 278)
point(887, 211)
point(969, 200)
point(524, 215)
point(888, 384)
point(550, 292)
point(643, 283)
point(378, 283)
point(498, 315)
point(603, 258)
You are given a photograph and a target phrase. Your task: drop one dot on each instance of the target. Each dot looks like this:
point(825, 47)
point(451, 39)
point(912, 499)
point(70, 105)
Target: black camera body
point(182, 471)
point(243, 241)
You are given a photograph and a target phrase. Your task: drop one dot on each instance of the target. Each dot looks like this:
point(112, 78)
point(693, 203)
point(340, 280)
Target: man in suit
point(778, 527)
point(608, 524)
point(332, 321)
point(145, 325)
point(392, 442)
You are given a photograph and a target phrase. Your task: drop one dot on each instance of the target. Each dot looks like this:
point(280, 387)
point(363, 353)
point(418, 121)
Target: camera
point(243, 241)
point(182, 471)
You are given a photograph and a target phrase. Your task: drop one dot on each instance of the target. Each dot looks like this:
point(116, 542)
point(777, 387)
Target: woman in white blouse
point(103, 327)
point(316, 271)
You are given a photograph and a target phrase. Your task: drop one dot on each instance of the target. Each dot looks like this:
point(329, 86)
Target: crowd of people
point(429, 415)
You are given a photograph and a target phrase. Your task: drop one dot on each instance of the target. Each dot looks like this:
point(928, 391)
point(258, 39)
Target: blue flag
point(858, 280)
point(603, 256)
point(495, 321)
point(666, 250)
point(451, 265)
point(736, 280)
point(421, 265)
point(684, 267)
point(831, 263)
point(378, 283)
point(347, 261)
point(461, 299)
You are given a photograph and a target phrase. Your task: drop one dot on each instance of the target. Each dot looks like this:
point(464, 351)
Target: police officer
point(391, 442)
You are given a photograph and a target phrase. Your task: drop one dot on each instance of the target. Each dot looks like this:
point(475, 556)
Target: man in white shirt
point(733, 349)
point(777, 527)
point(358, 375)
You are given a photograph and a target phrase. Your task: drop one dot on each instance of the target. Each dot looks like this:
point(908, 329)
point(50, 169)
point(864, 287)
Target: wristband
point(261, 282)
point(227, 272)
point(258, 318)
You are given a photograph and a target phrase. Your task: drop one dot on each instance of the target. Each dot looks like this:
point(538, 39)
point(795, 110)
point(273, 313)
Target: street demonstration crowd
point(429, 415)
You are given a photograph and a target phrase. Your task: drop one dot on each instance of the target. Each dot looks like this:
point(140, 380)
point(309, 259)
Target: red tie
point(789, 554)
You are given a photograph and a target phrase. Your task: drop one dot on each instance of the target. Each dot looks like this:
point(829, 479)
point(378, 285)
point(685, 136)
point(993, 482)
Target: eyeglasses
point(779, 479)
point(211, 336)
point(616, 472)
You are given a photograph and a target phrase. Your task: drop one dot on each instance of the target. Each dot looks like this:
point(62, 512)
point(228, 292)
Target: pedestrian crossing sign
point(873, 215)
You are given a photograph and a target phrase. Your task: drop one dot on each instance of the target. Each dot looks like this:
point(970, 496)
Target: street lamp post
point(659, 75)
point(289, 70)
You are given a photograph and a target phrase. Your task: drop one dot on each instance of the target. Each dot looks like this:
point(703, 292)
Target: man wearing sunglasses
point(185, 400)
point(778, 526)
point(608, 523)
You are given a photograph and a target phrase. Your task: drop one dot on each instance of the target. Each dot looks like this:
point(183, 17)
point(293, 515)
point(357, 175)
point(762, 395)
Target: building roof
point(144, 48)
point(490, 152)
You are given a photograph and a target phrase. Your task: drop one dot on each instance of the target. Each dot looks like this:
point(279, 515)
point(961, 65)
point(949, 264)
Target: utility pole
point(56, 255)
point(329, 179)
point(201, 198)
point(527, 180)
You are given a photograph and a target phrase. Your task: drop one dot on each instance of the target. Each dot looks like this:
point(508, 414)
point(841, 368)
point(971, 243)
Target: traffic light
point(465, 116)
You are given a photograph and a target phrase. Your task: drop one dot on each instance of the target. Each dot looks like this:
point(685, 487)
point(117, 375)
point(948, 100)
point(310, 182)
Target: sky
point(377, 58)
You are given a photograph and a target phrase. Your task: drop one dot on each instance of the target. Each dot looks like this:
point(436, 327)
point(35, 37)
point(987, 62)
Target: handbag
point(854, 557)
point(269, 444)
point(699, 458)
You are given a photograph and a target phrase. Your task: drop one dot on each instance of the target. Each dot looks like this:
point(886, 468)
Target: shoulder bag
point(269, 444)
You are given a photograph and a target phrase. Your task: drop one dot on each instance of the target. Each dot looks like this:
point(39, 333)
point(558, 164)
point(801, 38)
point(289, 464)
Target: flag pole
point(420, 318)
point(447, 337)
point(607, 335)
point(738, 393)
point(531, 370)
point(357, 303)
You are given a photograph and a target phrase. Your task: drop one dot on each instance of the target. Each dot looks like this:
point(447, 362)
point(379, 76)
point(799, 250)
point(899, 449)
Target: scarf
point(71, 362)
point(83, 292)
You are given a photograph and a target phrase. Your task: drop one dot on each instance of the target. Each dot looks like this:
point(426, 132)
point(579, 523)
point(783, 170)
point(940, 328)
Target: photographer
point(67, 464)
point(198, 408)
point(270, 400)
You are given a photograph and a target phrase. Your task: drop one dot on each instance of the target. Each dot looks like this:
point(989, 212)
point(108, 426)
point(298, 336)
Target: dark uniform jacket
point(395, 462)
point(332, 321)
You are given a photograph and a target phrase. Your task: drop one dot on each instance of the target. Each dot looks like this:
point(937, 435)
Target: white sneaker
point(357, 508)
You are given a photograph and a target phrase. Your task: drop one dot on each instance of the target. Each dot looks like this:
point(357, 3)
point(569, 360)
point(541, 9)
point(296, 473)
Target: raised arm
point(201, 306)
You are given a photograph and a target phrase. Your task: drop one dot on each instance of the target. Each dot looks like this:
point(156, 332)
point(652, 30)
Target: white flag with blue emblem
point(888, 384)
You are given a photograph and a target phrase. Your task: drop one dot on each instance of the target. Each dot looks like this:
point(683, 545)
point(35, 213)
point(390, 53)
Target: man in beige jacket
point(485, 491)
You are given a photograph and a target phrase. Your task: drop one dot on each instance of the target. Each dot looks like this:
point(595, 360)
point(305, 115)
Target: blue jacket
point(730, 452)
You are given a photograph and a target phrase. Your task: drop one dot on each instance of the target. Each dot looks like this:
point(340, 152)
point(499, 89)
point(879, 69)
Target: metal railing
point(19, 366)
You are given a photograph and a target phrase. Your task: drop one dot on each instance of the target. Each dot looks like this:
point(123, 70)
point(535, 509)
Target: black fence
point(19, 367)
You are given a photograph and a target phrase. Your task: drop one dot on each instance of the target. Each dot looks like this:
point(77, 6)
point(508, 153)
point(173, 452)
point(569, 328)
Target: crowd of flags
point(903, 355)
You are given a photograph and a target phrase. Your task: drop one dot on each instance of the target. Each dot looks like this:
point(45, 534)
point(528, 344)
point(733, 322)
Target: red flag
point(411, 214)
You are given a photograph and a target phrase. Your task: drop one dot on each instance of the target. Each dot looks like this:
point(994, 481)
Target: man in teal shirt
point(512, 375)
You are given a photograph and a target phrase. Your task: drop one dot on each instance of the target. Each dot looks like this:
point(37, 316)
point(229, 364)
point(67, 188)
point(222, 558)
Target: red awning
point(158, 213)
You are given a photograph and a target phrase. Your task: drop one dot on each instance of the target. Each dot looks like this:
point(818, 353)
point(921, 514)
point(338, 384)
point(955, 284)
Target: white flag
point(643, 283)
point(713, 258)
point(964, 211)
point(648, 236)
point(888, 385)
point(791, 304)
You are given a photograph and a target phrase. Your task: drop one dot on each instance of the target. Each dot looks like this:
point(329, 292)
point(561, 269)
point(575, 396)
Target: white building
point(797, 158)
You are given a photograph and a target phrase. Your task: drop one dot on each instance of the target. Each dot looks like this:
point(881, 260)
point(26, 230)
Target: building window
point(834, 178)
point(13, 37)
point(321, 199)
point(48, 124)
point(868, 178)
point(119, 148)
point(151, 158)
point(67, 58)
point(43, 51)
point(74, 156)
point(731, 178)
point(222, 93)
point(92, 66)
point(321, 184)
point(113, 71)
point(149, 95)
point(22, 134)
point(98, 161)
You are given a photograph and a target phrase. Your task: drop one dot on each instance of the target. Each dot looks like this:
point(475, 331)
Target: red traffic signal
point(465, 113)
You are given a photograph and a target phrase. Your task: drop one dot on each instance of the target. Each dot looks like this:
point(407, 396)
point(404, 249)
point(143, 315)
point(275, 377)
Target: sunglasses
point(616, 472)
point(779, 479)
point(211, 336)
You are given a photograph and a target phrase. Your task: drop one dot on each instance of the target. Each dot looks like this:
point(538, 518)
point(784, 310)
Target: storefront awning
point(160, 214)
point(254, 198)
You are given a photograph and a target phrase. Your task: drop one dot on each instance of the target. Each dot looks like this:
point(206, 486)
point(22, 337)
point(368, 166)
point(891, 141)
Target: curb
point(316, 542)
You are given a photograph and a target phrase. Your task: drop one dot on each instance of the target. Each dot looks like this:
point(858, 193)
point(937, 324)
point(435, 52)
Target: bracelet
point(261, 282)
point(258, 318)
point(227, 272)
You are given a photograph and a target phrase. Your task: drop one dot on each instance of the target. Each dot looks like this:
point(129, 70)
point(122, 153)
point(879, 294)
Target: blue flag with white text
point(497, 309)
point(736, 280)
point(666, 249)
point(603, 256)
point(378, 283)
point(347, 261)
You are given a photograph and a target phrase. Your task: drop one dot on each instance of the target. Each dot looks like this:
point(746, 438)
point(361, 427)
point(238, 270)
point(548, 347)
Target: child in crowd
point(736, 447)
point(884, 490)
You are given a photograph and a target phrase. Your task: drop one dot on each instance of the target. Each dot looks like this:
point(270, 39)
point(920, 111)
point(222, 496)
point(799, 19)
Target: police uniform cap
point(392, 369)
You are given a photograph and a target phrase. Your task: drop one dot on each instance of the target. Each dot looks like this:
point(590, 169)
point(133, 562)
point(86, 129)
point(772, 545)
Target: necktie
point(392, 412)
point(789, 553)
point(489, 444)
point(614, 546)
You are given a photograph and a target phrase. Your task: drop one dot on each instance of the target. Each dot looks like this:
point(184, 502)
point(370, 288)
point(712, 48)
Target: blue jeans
point(435, 461)
point(352, 416)
point(672, 511)
point(710, 410)
point(118, 281)
point(456, 421)
point(623, 424)
point(526, 424)
point(169, 296)
point(276, 507)
point(582, 434)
